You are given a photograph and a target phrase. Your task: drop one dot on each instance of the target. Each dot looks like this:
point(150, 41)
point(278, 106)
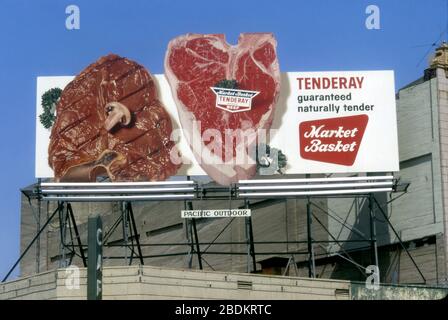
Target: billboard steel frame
point(271, 190)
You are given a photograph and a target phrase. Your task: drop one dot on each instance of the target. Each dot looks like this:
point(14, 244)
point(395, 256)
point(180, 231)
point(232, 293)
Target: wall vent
point(342, 292)
point(244, 285)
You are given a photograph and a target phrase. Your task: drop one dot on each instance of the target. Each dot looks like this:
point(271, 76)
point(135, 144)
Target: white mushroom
point(117, 113)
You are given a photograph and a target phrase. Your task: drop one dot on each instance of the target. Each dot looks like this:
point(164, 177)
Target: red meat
point(87, 141)
point(193, 64)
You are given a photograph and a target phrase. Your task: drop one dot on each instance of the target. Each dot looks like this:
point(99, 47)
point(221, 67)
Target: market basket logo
point(334, 140)
point(234, 100)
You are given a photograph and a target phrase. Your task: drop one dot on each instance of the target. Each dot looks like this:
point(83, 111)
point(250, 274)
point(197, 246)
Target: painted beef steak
point(194, 64)
point(110, 123)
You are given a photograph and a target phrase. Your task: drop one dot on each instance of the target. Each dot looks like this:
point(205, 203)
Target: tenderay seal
point(234, 100)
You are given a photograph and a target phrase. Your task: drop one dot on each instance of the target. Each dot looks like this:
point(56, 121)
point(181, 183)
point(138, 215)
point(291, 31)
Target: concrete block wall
point(145, 282)
point(442, 81)
point(41, 286)
point(419, 213)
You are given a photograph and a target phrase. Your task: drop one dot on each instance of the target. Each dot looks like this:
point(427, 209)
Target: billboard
point(219, 110)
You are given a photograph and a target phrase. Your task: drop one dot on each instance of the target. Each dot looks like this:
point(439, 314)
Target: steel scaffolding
point(254, 193)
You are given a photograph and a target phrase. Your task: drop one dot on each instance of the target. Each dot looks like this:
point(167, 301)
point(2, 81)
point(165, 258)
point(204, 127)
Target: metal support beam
point(311, 264)
point(196, 239)
point(194, 231)
point(124, 221)
point(373, 242)
point(62, 233)
point(31, 243)
point(338, 242)
point(78, 238)
point(136, 234)
point(248, 255)
point(252, 246)
point(250, 242)
point(189, 233)
point(39, 218)
point(386, 218)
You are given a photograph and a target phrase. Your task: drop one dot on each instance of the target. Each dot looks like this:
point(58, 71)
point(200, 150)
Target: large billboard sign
point(218, 110)
point(347, 121)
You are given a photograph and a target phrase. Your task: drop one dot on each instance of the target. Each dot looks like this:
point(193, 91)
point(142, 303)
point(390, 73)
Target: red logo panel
point(334, 140)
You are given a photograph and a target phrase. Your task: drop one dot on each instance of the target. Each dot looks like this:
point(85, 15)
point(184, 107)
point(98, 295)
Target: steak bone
point(89, 171)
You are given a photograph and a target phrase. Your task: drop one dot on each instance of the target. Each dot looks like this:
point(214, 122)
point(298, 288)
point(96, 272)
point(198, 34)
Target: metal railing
point(118, 191)
point(286, 188)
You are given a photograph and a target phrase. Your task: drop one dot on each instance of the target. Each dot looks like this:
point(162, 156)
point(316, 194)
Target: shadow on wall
point(362, 254)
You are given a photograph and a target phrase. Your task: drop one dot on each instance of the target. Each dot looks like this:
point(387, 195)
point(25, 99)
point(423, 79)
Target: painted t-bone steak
point(110, 123)
point(193, 64)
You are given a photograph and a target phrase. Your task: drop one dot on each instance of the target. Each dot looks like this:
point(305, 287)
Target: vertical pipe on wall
point(311, 265)
point(373, 242)
point(124, 220)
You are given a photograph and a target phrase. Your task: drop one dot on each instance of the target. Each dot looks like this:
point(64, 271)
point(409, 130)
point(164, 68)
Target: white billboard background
point(378, 151)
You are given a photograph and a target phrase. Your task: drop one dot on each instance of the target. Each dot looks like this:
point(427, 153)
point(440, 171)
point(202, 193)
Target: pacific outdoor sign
point(216, 213)
point(231, 130)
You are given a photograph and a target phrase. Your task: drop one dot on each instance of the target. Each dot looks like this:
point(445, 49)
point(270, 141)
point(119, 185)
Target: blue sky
point(312, 35)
